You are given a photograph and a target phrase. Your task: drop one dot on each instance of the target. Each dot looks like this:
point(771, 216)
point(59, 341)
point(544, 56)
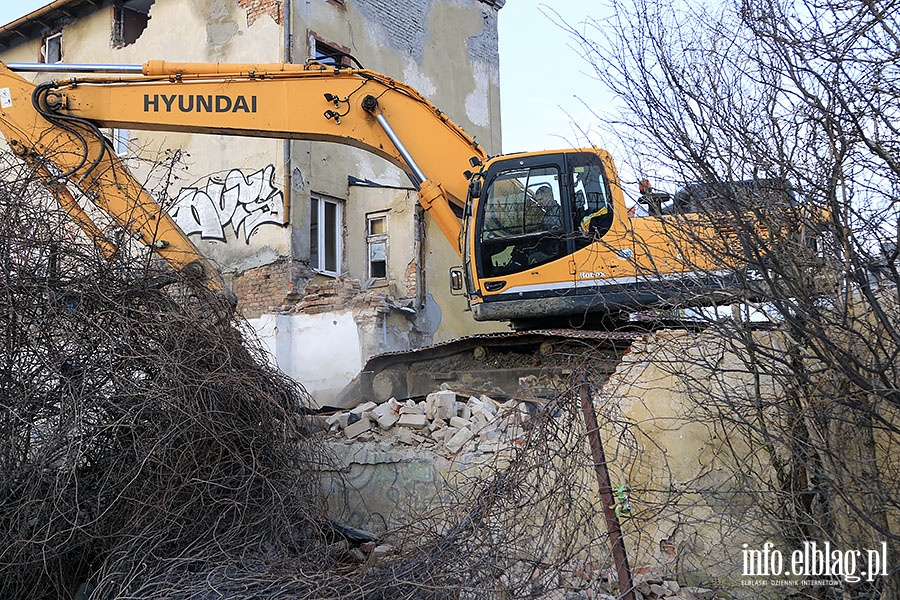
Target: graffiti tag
point(234, 201)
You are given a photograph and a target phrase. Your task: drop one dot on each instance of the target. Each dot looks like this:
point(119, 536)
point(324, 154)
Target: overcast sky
point(10, 10)
point(544, 81)
point(542, 76)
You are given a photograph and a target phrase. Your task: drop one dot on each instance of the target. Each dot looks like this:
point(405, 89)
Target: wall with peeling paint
point(203, 31)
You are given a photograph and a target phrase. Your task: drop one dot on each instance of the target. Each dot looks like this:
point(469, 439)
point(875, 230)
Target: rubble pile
point(585, 583)
point(445, 420)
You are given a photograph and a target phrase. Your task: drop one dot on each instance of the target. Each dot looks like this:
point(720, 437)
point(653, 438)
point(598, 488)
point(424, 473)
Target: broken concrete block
point(364, 407)
point(341, 419)
point(463, 410)
point(332, 419)
point(480, 420)
point(489, 404)
point(413, 420)
point(355, 429)
point(442, 404)
point(388, 420)
point(489, 433)
point(439, 435)
point(459, 422)
point(405, 436)
point(437, 424)
point(477, 407)
point(459, 439)
point(391, 407)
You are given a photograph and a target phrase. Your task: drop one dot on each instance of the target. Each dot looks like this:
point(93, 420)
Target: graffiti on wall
point(239, 202)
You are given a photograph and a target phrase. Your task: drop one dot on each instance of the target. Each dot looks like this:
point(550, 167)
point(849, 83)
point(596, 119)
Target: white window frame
point(119, 139)
point(377, 238)
point(319, 235)
point(45, 47)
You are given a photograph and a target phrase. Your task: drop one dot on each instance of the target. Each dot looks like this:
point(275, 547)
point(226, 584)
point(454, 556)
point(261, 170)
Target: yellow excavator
point(545, 238)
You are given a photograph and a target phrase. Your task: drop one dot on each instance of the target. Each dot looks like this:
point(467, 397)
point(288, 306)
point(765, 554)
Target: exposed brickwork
point(409, 279)
point(259, 8)
point(264, 288)
point(342, 293)
point(403, 22)
point(286, 287)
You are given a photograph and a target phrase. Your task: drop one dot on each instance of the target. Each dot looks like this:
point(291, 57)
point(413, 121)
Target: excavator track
point(534, 365)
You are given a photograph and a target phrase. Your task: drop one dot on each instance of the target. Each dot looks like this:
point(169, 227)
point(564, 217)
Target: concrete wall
point(321, 350)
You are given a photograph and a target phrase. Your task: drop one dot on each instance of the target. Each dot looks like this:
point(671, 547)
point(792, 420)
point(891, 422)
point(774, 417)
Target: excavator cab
point(527, 217)
point(535, 209)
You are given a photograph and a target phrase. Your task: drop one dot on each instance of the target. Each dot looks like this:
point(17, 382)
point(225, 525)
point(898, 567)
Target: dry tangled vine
point(141, 435)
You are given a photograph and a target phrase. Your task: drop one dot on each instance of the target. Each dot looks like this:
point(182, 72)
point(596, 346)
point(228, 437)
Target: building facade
point(325, 246)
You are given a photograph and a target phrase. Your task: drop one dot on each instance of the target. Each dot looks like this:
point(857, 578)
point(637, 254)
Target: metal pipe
point(419, 176)
point(74, 68)
point(287, 148)
point(626, 587)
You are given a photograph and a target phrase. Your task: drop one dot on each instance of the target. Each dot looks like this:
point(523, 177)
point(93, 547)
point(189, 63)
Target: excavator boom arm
point(351, 107)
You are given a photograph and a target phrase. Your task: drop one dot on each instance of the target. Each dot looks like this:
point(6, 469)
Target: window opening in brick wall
point(51, 49)
point(377, 241)
point(325, 235)
point(130, 18)
point(325, 53)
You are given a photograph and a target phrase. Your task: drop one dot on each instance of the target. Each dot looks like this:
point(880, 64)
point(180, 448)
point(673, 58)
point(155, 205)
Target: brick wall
point(259, 8)
point(287, 287)
point(342, 293)
point(264, 288)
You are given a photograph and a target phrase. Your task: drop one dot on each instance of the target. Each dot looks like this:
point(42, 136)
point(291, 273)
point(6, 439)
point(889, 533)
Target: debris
point(459, 439)
point(363, 408)
point(444, 420)
point(459, 422)
point(442, 404)
point(411, 408)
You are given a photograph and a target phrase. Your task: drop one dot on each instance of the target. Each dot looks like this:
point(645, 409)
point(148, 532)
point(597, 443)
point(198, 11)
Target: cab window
point(523, 224)
point(593, 206)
